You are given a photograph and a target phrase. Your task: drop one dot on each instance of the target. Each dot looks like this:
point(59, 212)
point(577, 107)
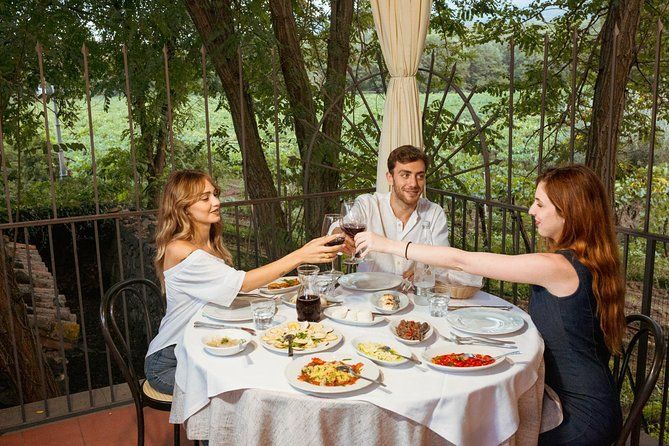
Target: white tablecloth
point(478, 408)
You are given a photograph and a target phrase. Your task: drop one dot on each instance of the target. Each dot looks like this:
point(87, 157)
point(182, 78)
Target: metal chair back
point(114, 308)
point(647, 332)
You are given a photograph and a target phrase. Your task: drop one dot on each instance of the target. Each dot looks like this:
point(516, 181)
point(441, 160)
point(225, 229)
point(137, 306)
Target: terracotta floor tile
point(117, 427)
point(12, 439)
point(159, 432)
point(110, 427)
point(55, 434)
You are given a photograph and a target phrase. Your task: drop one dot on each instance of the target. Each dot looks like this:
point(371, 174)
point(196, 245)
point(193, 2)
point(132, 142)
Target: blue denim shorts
point(159, 369)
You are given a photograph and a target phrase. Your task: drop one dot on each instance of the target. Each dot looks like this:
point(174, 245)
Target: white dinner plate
point(370, 281)
point(294, 369)
point(485, 321)
point(395, 322)
point(399, 348)
point(266, 290)
point(239, 310)
point(375, 319)
point(447, 349)
point(319, 348)
point(374, 300)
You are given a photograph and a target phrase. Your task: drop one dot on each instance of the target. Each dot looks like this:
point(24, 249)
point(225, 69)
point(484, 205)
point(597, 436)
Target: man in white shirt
point(398, 214)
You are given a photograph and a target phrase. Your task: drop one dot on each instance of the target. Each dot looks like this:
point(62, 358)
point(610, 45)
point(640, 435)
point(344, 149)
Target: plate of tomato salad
point(461, 358)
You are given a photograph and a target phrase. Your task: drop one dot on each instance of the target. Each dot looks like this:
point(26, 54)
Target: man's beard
point(403, 198)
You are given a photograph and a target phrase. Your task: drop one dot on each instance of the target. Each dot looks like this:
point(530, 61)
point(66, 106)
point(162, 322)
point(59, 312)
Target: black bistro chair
point(112, 311)
point(647, 335)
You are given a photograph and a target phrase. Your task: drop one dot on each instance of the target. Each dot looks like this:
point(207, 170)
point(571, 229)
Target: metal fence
point(118, 246)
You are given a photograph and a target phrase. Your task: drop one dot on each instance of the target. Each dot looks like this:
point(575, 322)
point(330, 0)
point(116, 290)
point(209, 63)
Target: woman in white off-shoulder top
point(195, 265)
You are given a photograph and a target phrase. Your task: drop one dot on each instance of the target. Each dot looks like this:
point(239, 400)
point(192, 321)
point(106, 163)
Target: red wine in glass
point(308, 308)
point(351, 229)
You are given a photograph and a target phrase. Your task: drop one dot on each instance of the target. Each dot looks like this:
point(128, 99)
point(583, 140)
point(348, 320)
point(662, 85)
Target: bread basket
point(456, 291)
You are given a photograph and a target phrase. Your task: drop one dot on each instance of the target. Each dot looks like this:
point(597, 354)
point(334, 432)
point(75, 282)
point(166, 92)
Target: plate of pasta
point(322, 373)
point(308, 337)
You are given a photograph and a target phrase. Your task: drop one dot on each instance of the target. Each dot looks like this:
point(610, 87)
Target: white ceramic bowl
point(226, 351)
point(374, 300)
point(395, 322)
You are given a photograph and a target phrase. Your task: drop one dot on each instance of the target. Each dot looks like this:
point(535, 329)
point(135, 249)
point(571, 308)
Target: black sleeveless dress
point(577, 363)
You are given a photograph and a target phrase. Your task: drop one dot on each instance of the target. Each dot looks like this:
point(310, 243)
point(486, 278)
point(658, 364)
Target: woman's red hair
point(580, 199)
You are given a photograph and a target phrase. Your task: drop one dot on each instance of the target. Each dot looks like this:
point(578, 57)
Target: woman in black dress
point(577, 300)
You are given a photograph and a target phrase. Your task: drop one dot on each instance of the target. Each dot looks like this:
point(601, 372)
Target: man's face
point(408, 181)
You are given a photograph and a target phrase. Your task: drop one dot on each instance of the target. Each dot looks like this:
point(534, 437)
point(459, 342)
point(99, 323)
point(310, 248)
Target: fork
point(472, 342)
point(349, 369)
point(483, 339)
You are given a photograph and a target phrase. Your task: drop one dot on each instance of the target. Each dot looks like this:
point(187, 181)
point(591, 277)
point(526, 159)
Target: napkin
point(460, 278)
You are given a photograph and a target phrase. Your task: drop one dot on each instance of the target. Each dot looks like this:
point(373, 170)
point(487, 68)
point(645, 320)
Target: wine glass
point(352, 222)
point(329, 220)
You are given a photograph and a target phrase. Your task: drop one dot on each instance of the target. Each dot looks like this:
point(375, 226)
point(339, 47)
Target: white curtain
point(401, 26)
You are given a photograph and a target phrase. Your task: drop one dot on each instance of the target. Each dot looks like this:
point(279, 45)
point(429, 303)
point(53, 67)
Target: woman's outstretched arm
point(552, 271)
point(313, 252)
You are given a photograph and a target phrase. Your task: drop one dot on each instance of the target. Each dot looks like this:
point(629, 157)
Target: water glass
point(263, 312)
point(439, 304)
point(326, 284)
point(307, 270)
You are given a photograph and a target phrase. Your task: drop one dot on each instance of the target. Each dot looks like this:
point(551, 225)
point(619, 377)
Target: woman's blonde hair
point(579, 197)
point(184, 188)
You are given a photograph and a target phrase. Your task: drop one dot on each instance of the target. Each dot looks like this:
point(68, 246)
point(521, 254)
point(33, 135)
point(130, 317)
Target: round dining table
point(246, 399)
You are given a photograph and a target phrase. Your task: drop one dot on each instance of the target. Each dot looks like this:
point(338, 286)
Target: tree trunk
point(214, 22)
point(27, 361)
point(609, 99)
point(302, 104)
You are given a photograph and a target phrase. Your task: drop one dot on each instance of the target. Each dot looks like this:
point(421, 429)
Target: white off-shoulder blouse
point(189, 285)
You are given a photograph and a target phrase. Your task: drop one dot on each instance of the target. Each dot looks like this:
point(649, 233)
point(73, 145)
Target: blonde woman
point(578, 297)
point(194, 265)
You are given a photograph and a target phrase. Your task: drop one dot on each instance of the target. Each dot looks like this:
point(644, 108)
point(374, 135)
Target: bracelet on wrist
point(406, 251)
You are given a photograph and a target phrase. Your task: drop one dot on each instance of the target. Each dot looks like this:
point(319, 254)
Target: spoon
point(471, 355)
point(289, 339)
point(349, 369)
point(387, 348)
point(516, 352)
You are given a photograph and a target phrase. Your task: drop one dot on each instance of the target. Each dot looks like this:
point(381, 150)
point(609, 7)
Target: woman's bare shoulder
point(176, 251)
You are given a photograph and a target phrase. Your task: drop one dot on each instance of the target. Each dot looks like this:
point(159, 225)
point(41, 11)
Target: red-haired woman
point(577, 298)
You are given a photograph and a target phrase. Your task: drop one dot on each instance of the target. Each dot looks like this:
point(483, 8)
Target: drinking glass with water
point(263, 312)
point(439, 304)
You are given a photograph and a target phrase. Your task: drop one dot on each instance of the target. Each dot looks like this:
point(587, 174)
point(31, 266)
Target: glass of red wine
point(352, 222)
point(331, 223)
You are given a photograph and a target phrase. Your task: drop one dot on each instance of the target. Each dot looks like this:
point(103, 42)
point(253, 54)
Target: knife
point(499, 307)
point(200, 324)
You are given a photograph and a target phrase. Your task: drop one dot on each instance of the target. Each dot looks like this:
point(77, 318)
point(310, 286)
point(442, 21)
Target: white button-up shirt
point(381, 219)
